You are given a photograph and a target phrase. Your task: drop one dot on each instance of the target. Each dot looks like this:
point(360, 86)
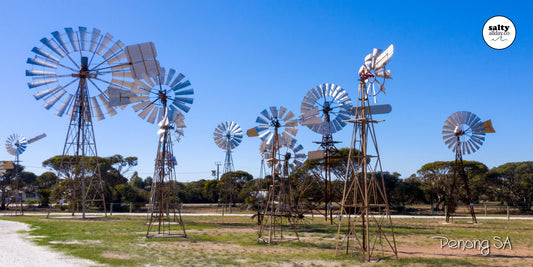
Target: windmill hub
point(163, 97)
point(275, 123)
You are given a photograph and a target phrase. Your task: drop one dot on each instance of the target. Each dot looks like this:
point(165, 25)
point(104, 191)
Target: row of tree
point(510, 183)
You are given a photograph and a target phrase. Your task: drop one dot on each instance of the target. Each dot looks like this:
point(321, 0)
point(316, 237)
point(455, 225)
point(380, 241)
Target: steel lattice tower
point(79, 151)
point(164, 214)
point(365, 214)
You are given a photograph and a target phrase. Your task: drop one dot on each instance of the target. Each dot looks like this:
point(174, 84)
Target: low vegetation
point(232, 241)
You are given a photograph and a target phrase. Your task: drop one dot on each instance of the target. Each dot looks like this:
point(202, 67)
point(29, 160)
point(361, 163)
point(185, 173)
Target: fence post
point(485, 210)
point(508, 214)
point(446, 211)
point(110, 209)
point(131, 207)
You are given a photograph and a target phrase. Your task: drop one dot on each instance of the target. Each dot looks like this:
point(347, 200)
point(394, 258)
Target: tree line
point(510, 184)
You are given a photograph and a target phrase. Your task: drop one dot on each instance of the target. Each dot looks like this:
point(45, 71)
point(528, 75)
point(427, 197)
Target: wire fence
point(481, 210)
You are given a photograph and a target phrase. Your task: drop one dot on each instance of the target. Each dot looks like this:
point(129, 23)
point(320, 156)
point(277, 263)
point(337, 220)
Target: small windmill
point(227, 136)
point(325, 109)
point(278, 205)
point(364, 205)
point(16, 144)
point(463, 133)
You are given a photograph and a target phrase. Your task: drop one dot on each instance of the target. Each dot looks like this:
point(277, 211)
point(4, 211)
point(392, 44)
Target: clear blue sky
point(244, 56)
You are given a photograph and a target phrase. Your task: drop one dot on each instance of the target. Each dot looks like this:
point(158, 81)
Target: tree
point(406, 191)
point(515, 181)
point(45, 182)
point(210, 192)
point(436, 180)
point(231, 183)
point(136, 181)
point(122, 164)
point(111, 171)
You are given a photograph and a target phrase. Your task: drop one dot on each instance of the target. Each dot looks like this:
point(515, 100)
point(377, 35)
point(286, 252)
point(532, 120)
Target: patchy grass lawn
point(229, 240)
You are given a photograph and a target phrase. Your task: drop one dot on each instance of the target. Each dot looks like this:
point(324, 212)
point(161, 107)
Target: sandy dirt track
point(16, 249)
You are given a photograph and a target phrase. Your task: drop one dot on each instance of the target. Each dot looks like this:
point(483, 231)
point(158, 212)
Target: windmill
point(463, 133)
point(77, 69)
point(161, 98)
point(227, 136)
point(16, 144)
point(364, 205)
point(291, 157)
point(278, 204)
point(324, 110)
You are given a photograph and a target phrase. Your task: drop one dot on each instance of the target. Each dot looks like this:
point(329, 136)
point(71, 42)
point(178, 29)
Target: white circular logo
point(499, 32)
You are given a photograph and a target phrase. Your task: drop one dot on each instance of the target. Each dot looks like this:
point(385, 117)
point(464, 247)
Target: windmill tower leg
point(459, 170)
point(80, 151)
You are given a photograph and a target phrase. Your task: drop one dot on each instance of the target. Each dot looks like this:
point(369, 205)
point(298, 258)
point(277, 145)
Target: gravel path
point(16, 249)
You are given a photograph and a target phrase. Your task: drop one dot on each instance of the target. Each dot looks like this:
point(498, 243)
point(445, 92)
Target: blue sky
point(244, 56)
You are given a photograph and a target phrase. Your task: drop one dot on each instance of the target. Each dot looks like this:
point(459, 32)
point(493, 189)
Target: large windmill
point(227, 136)
point(278, 205)
point(324, 110)
point(464, 133)
point(364, 208)
point(161, 97)
point(77, 69)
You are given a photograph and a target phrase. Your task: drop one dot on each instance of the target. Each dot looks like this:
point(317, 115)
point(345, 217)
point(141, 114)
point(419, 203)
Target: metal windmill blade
point(65, 58)
point(16, 144)
point(292, 156)
point(464, 131)
point(331, 104)
point(228, 135)
point(272, 119)
point(167, 123)
point(373, 71)
point(166, 90)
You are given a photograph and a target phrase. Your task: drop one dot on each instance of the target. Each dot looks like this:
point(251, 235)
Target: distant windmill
point(464, 133)
point(16, 144)
point(228, 135)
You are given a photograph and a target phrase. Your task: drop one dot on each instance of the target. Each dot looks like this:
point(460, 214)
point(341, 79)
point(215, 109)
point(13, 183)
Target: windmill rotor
point(228, 135)
point(165, 90)
point(16, 144)
point(373, 72)
point(270, 120)
point(292, 156)
point(464, 132)
point(331, 104)
point(75, 55)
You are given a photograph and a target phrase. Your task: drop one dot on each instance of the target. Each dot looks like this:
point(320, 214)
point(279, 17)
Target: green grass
point(232, 241)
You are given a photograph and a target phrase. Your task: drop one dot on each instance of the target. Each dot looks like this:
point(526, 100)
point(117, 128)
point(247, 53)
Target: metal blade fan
point(331, 103)
point(77, 55)
point(373, 71)
point(16, 144)
point(270, 120)
point(168, 124)
point(162, 91)
point(292, 156)
point(464, 132)
point(228, 135)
